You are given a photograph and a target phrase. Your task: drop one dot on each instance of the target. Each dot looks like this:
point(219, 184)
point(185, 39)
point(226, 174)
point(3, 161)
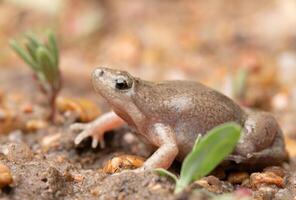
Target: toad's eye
point(122, 84)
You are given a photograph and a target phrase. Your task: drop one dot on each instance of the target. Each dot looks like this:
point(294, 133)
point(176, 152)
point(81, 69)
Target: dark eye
point(121, 84)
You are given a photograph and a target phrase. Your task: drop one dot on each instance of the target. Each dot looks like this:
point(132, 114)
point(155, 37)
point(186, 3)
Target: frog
point(170, 115)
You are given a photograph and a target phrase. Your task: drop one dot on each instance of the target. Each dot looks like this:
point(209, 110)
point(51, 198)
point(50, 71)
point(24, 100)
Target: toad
point(171, 114)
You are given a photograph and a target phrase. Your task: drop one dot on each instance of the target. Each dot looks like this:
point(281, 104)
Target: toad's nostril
point(99, 72)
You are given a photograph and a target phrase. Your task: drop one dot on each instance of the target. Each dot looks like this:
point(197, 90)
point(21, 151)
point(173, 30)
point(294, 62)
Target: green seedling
point(43, 59)
point(239, 83)
point(206, 154)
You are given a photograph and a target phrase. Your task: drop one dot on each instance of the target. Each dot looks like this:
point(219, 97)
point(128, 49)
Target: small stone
point(51, 140)
point(123, 162)
point(86, 109)
point(155, 187)
point(213, 184)
point(5, 176)
point(276, 170)
point(35, 125)
point(266, 178)
point(237, 177)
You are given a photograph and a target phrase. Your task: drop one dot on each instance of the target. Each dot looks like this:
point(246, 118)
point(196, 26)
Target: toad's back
point(186, 104)
point(188, 107)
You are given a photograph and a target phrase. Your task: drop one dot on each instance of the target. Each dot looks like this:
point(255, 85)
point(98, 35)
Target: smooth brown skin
point(171, 114)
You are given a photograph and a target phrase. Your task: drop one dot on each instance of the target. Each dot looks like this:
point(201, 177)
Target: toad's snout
point(98, 73)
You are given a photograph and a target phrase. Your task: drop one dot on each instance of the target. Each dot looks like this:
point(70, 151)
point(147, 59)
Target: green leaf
point(23, 54)
point(43, 59)
point(208, 153)
point(33, 40)
point(196, 142)
point(53, 47)
point(32, 50)
point(163, 172)
point(46, 63)
point(239, 83)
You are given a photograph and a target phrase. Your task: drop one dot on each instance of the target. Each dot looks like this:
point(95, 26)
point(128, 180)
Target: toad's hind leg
point(261, 141)
point(274, 155)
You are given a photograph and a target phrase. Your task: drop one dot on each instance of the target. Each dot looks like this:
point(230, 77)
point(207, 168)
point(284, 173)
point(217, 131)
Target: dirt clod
point(265, 178)
point(17, 152)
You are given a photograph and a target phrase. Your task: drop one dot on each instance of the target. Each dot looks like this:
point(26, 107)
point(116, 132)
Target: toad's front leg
point(97, 128)
point(164, 138)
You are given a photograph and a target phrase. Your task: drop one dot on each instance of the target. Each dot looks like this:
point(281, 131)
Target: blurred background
point(245, 49)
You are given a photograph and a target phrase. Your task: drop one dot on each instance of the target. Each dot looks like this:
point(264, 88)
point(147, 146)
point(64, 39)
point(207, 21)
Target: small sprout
point(239, 83)
point(43, 59)
point(206, 154)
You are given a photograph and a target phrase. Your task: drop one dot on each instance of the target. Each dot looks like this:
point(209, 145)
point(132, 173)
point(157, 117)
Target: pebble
point(5, 176)
point(123, 162)
point(155, 187)
point(276, 170)
point(86, 109)
point(237, 177)
point(35, 125)
point(51, 140)
point(265, 178)
point(213, 184)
